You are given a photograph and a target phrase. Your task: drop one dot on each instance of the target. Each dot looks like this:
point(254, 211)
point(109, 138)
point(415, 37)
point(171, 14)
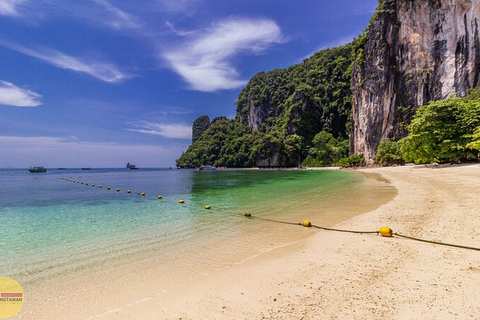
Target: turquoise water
point(52, 226)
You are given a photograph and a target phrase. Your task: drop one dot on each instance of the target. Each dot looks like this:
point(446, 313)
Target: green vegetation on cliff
point(442, 131)
point(279, 115)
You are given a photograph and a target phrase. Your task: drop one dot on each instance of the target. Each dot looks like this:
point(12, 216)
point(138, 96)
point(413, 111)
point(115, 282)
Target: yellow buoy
point(129, 191)
point(208, 207)
point(143, 194)
point(181, 201)
point(386, 232)
point(248, 214)
point(306, 223)
point(160, 197)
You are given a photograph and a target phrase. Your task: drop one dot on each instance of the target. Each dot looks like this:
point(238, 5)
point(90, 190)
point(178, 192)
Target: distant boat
point(37, 169)
point(131, 166)
point(207, 168)
point(61, 169)
point(85, 168)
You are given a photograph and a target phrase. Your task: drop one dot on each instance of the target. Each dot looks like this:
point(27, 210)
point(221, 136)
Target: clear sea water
point(53, 227)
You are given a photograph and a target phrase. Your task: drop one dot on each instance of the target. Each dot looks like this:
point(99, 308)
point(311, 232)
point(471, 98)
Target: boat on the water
point(131, 166)
point(207, 168)
point(37, 169)
point(85, 168)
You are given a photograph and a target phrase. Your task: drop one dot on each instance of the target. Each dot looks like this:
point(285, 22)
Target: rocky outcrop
point(416, 51)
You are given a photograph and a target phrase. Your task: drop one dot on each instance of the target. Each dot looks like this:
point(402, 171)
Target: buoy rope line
point(437, 242)
point(384, 232)
point(118, 190)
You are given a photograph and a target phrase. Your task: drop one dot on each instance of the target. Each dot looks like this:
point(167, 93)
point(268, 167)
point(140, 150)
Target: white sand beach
point(335, 275)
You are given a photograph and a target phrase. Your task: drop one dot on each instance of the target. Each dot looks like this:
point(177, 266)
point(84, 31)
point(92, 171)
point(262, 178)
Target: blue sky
point(100, 83)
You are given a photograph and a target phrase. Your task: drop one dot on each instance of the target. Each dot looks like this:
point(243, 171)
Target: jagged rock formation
point(416, 51)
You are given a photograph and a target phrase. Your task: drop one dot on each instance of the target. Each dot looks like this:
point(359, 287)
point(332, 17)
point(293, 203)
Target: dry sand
point(335, 275)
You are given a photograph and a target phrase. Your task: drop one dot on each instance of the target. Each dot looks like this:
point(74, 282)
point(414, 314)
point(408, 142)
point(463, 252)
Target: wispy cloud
point(205, 60)
point(10, 7)
point(118, 19)
point(71, 152)
point(11, 95)
point(177, 31)
point(175, 6)
point(170, 130)
point(101, 70)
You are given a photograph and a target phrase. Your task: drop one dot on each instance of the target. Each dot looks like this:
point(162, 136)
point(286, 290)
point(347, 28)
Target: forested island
point(376, 99)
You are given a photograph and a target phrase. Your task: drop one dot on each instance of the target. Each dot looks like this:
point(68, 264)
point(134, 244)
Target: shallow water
point(53, 227)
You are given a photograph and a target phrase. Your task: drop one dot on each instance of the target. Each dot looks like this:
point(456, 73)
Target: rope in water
point(384, 231)
point(388, 233)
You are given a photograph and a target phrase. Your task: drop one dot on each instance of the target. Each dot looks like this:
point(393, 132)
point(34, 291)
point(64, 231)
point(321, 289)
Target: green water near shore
point(54, 229)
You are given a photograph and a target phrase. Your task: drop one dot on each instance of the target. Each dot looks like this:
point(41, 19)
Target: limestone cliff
point(416, 51)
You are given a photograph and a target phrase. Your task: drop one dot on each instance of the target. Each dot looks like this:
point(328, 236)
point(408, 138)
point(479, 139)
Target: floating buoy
point(108, 188)
point(100, 186)
point(118, 189)
point(181, 201)
point(93, 185)
point(208, 207)
point(129, 191)
point(159, 197)
point(306, 223)
point(143, 194)
point(86, 184)
point(386, 232)
point(248, 214)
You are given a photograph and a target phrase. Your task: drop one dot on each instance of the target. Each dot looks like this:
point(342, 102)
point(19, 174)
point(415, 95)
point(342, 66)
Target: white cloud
point(101, 70)
point(68, 152)
point(10, 7)
point(175, 6)
point(120, 19)
point(11, 95)
point(175, 130)
point(205, 60)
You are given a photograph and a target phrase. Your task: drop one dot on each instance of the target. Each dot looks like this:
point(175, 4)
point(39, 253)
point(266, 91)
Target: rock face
point(416, 51)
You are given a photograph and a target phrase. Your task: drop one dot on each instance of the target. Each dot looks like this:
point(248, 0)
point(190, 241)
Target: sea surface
point(62, 224)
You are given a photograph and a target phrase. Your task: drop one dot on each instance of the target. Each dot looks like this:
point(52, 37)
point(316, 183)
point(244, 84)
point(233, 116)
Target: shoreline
point(348, 276)
point(329, 274)
point(113, 287)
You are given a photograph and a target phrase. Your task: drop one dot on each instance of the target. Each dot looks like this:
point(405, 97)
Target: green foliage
point(326, 150)
point(388, 152)
point(307, 98)
point(475, 143)
point(444, 131)
point(352, 161)
point(199, 126)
